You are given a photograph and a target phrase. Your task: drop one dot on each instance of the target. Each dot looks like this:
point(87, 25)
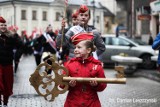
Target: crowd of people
point(80, 45)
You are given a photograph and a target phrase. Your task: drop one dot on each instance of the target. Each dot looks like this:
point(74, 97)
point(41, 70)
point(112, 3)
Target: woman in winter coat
point(84, 65)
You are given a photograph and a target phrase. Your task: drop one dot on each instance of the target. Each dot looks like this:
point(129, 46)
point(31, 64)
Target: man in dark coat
point(48, 40)
point(49, 45)
point(17, 52)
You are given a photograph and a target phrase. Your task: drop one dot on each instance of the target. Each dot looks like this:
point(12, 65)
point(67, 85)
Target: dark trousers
point(38, 59)
point(6, 82)
point(158, 68)
point(16, 66)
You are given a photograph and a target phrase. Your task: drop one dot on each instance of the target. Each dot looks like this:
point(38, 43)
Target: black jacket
point(46, 45)
point(7, 43)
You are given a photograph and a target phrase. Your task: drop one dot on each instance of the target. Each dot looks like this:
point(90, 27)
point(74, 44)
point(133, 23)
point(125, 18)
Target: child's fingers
point(72, 83)
point(93, 83)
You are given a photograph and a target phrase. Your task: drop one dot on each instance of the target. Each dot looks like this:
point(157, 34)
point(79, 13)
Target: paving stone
point(137, 89)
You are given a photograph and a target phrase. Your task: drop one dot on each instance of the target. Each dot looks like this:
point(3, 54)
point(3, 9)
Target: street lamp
point(93, 2)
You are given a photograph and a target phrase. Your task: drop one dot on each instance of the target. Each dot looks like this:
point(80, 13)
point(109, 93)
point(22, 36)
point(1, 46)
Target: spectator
point(156, 46)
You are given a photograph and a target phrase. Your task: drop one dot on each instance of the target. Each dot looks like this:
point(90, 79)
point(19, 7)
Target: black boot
point(6, 98)
point(0, 101)
point(16, 66)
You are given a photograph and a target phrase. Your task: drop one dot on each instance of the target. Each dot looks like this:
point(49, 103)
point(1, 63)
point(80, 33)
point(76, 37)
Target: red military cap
point(75, 14)
point(83, 8)
point(80, 37)
point(2, 20)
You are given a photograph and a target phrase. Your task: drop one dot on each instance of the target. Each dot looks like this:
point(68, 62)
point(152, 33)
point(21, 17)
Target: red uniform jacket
point(83, 94)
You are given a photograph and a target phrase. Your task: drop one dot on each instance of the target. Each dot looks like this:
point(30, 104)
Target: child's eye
point(78, 47)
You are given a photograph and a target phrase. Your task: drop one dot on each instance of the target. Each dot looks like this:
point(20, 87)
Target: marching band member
point(7, 43)
point(84, 94)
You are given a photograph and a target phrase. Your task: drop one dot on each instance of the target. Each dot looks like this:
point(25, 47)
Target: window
point(44, 17)
point(34, 15)
point(146, 10)
point(23, 14)
point(97, 18)
point(119, 42)
point(107, 40)
point(58, 15)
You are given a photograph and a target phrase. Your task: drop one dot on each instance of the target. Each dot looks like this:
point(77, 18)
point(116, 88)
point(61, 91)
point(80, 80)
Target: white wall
point(110, 4)
point(8, 13)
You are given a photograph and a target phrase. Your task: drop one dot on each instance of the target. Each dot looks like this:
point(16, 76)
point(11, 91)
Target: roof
point(70, 2)
point(39, 0)
point(46, 1)
point(88, 2)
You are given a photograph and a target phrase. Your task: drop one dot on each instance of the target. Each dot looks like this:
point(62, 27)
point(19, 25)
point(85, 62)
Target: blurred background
point(136, 18)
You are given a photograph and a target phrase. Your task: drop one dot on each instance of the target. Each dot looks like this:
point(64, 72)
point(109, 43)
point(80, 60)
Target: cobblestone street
point(138, 92)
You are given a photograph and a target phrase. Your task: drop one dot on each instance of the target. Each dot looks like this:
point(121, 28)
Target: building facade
point(135, 15)
point(37, 14)
point(155, 17)
point(111, 5)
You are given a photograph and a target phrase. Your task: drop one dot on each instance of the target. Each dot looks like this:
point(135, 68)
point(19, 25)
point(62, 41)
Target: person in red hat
point(7, 43)
point(80, 37)
point(75, 18)
point(2, 20)
point(83, 19)
point(65, 51)
point(84, 94)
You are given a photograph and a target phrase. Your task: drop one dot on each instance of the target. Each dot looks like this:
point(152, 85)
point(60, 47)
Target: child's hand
point(93, 83)
point(72, 83)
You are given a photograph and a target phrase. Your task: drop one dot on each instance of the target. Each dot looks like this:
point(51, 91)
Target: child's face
point(75, 21)
point(81, 50)
point(83, 18)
